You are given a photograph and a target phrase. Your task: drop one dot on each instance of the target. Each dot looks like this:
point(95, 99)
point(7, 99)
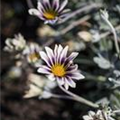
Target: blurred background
point(85, 33)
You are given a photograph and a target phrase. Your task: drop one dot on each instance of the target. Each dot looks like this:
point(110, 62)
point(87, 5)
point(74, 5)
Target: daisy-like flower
point(32, 52)
point(39, 86)
point(60, 67)
point(17, 43)
point(99, 115)
point(50, 11)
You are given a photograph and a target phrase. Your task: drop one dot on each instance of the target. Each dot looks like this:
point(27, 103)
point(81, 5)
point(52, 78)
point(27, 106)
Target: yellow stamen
point(34, 57)
point(58, 70)
point(50, 15)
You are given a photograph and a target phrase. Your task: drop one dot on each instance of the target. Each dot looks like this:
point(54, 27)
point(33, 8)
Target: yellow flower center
point(34, 57)
point(58, 70)
point(50, 15)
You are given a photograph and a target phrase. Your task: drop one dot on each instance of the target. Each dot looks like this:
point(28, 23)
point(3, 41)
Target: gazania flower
point(99, 115)
point(50, 11)
point(39, 86)
point(17, 43)
point(59, 66)
point(32, 52)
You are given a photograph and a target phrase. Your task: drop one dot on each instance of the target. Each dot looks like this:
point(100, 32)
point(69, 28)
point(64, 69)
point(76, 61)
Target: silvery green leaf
point(102, 62)
point(105, 45)
point(115, 101)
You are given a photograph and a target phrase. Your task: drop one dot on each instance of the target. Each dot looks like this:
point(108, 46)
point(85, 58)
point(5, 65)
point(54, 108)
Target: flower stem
point(62, 96)
point(105, 18)
point(78, 98)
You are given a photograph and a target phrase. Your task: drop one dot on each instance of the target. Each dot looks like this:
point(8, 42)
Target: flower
point(50, 12)
point(99, 115)
point(39, 86)
point(32, 52)
point(17, 43)
point(59, 66)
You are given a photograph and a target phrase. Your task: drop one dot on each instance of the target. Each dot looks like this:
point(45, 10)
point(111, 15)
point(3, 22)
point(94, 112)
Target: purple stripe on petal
point(72, 56)
point(76, 76)
point(40, 7)
point(46, 4)
point(63, 53)
point(45, 58)
point(50, 54)
point(62, 61)
point(59, 51)
point(60, 80)
point(72, 69)
point(70, 82)
point(55, 4)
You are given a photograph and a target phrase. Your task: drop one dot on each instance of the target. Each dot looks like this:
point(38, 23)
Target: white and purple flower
point(50, 12)
point(31, 52)
point(60, 67)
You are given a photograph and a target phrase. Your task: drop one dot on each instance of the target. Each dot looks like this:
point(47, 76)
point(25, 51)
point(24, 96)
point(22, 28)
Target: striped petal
point(66, 84)
point(45, 58)
point(60, 48)
point(44, 70)
point(77, 76)
point(50, 54)
point(72, 69)
point(72, 56)
point(46, 4)
point(60, 81)
point(36, 13)
point(55, 4)
point(40, 7)
point(71, 83)
point(63, 54)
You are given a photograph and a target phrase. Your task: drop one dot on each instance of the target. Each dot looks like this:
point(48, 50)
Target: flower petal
point(63, 5)
point(59, 50)
point(55, 4)
point(77, 76)
point(72, 68)
point(51, 77)
point(46, 4)
point(50, 54)
point(86, 117)
point(60, 81)
point(55, 52)
point(72, 56)
point(44, 70)
point(63, 54)
point(91, 113)
point(71, 83)
point(33, 11)
point(45, 58)
point(40, 7)
point(66, 84)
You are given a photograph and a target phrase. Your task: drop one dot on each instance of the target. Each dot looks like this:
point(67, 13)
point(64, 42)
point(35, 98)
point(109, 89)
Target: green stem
point(78, 98)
